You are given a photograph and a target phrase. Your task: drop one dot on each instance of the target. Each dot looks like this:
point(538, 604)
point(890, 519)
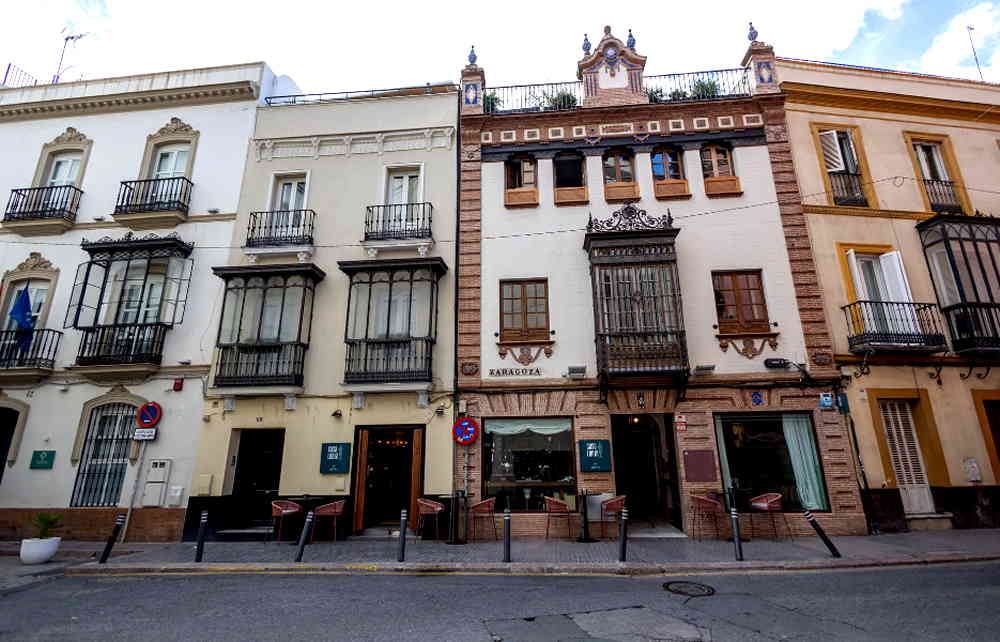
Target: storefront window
point(526, 460)
point(771, 453)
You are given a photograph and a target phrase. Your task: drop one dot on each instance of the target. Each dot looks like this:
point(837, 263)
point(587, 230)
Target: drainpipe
point(135, 489)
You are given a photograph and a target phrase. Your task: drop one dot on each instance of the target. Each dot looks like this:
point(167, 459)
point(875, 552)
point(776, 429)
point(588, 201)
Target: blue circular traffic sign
point(149, 414)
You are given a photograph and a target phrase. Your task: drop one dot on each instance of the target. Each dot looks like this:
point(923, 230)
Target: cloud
point(950, 54)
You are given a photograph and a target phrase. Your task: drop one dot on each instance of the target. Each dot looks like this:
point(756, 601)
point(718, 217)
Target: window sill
point(521, 197)
point(671, 189)
point(723, 186)
point(571, 196)
point(618, 192)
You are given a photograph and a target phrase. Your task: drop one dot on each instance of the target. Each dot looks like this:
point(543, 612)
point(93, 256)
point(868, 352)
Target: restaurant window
point(771, 453)
point(524, 310)
point(668, 164)
point(526, 460)
point(569, 170)
point(716, 162)
point(618, 167)
point(520, 172)
point(739, 301)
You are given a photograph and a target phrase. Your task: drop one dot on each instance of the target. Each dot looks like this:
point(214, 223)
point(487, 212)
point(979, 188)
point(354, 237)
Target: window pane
point(722, 162)
point(568, 171)
point(230, 315)
point(625, 165)
point(525, 460)
point(251, 311)
point(358, 315)
point(659, 171)
point(707, 163)
point(290, 312)
point(610, 170)
point(420, 324)
point(378, 321)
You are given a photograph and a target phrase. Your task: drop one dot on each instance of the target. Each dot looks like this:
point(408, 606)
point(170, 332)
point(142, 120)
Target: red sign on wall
point(465, 431)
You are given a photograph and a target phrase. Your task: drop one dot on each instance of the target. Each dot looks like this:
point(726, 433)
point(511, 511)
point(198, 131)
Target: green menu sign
point(42, 459)
point(595, 456)
point(335, 459)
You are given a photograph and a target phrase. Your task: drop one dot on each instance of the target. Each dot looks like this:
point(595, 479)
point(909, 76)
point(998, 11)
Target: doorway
point(646, 470)
point(388, 475)
point(8, 422)
point(258, 470)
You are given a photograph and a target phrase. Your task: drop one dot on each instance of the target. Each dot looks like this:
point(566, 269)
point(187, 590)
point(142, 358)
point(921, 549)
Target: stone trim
point(22, 419)
point(268, 149)
point(175, 131)
point(70, 140)
point(34, 267)
point(117, 394)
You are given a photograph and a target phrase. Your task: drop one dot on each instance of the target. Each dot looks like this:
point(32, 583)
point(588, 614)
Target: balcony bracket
point(863, 368)
point(983, 375)
point(936, 375)
point(968, 373)
point(979, 375)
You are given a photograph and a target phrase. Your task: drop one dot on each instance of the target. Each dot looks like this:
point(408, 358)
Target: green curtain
point(802, 451)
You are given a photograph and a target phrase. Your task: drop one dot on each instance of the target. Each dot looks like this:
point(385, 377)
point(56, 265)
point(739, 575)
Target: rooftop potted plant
point(702, 89)
point(562, 99)
point(38, 550)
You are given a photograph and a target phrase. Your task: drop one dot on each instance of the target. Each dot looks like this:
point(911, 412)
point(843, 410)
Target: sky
point(332, 45)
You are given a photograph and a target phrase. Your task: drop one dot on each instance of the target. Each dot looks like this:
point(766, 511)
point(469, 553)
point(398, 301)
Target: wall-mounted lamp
point(184, 362)
point(337, 413)
point(704, 369)
point(439, 410)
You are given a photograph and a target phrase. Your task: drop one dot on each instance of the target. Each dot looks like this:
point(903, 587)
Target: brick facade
point(95, 524)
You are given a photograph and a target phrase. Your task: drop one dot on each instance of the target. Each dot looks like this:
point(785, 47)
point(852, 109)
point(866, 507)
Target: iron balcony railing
point(31, 203)
point(154, 195)
point(847, 189)
point(397, 222)
point(943, 197)
point(642, 353)
point(897, 326)
point(974, 327)
point(388, 360)
point(29, 348)
point(261, 364)
point(280, 228)
point(122, 344)
point(668, 88)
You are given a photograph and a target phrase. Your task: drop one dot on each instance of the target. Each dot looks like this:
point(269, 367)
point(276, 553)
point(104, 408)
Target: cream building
point(897, 173)
point(333, 330)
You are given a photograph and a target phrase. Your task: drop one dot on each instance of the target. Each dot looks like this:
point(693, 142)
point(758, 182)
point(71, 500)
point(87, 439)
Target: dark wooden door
point(258, 469)
point(8, 420)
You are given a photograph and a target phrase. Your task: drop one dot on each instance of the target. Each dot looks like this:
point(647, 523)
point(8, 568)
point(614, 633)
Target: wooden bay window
point(521, 184)
point(619, 176)
point(717, 171)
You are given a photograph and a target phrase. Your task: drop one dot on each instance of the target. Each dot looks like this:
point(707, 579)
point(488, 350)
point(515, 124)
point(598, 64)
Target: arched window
point(618, 166)
point(521, 173)
point(104, 455)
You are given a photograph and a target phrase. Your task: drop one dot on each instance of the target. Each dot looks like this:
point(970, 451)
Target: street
point(942, 602)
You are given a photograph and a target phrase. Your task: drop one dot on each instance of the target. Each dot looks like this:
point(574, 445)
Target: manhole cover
point(689, 589)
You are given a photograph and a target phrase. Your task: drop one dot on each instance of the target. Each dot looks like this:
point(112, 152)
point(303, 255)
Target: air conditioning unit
point(576, 372)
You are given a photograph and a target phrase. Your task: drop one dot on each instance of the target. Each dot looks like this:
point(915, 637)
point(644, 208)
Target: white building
point(121, 314)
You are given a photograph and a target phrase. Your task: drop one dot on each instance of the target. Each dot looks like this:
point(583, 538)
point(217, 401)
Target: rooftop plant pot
point(39, 551)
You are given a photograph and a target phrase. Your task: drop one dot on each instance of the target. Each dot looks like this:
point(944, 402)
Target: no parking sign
point(147, 416)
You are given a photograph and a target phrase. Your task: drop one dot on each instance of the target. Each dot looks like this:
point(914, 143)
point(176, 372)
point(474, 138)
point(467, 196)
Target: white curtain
point(540, 426)
point(802, 451)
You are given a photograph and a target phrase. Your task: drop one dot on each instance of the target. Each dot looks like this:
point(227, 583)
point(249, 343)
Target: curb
point(517, 568)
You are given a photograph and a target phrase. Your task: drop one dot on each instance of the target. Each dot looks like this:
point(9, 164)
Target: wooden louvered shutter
point(830, 146)
point(904, 449)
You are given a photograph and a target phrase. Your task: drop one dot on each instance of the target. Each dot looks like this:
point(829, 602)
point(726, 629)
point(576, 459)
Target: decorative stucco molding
point(267, 149)
point(175, 131)
point(117, 394)
point(35, 266)
point(71, 140)
point(746, 345)
point(525, 354)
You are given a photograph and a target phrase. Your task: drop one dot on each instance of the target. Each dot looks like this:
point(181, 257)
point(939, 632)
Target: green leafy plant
point(491, 102)
point(704, 89)
point(45, 523)
point(678, 94)
point(655, 95)
point(563, 99)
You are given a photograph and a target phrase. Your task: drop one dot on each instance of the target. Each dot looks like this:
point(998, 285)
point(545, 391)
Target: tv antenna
point(66, 40)
point(974, 54)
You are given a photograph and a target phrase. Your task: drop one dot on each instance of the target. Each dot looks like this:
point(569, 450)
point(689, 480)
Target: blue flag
point(20, 313)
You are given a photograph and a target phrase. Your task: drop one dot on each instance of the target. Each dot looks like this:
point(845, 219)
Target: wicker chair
point(334, 510)
point(428, 508)
point(769, 503)
point(611, 507)
point(558, 509)
point(280, 509)
point(702, 509)
point(484, 510)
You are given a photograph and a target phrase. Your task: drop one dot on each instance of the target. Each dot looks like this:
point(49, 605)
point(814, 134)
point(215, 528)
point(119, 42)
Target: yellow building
point(897, 173)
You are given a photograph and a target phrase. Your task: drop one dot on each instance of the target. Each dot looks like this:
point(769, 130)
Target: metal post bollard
point(736, 533)
point(304, 537)
point(822, 534)
point(623, 536)
point(506, 535)
point(402, 537)
point(119, 523)
point(200, 550)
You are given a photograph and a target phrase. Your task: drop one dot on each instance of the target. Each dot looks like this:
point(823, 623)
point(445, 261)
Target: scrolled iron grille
point(847, 189)
point(280, 228)
point(974, 326)
point(379, 360)
point(279, 364)
point(104, 458)
point(154, 195)
point(29, 348)
point(942, 196)
point(57, 201)
point(398, 221)
point(894, 325)
point(122, 344)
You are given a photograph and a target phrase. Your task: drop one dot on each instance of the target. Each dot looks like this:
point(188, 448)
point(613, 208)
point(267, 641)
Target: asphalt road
point(947, 602)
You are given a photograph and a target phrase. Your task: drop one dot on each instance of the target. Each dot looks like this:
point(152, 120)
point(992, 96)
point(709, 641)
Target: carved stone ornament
point(35, 262)
point(176, 126)
point(630, 219)
point(524, 354)
point(470, 369)
point(747, 345)
point(71, 135)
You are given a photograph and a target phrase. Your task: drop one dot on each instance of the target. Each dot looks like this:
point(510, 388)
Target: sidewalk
point(645, 556)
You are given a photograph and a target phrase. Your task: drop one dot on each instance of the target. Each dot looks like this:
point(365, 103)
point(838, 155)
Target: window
point(266, 310)
point(668, 164)
point(403, 186)
point(843, 170)
point(524, 310)
point(638, 298)
point(520, 173)
point(104, 457)
point(618, 167)
point(878, 277)
point(569, 170)
point(63, 169)
point(38, 293)
point(289, 193)
point(739, 302)
point(526, 460)
point(170, 161)
point(931, 162)
point(771, 453)
point(716, 162)
point(938, 173)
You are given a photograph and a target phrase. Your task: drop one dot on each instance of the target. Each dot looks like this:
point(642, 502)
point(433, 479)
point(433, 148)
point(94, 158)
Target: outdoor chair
point(556, 509)
point(280, 509)
point(428, 508)
point(484, 510)
point(769, 503)
point(334, 510)
point(611, 508)
point(704, 509)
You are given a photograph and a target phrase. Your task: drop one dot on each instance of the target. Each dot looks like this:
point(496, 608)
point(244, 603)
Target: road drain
point(689, 589)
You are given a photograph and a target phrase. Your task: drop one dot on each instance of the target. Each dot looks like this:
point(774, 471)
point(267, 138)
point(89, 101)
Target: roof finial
point(607, 30)
point(472, 55)
point(752, 36)
point(586, 45)
point(630, 43)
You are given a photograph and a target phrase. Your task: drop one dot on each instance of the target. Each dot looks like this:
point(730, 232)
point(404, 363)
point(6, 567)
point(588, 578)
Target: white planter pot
point(39, 551)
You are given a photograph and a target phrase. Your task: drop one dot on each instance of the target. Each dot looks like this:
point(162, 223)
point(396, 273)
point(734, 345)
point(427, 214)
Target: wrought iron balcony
point(398, 222)
point(943, 197)
point(29, 348)
point(388, 360)
point(847, 189)
point(122, 344)
point(974, 327)
point(33, 203)
point(154, 195)
point(894, 326)
point(280, 228)
point(261, 364)
point(641, 353)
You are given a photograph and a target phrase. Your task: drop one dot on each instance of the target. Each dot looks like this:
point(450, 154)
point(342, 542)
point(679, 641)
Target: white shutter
point(904, 449)
point(832, 157)
point(860, 291)
point(895, 277)
point(944, 278)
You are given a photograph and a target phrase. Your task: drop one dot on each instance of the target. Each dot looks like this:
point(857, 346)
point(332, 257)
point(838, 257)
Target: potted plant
point(562, 99)
point(655, 94)
point(702, 89)
point(678, 94)
point(38, 550)
point(491, 102)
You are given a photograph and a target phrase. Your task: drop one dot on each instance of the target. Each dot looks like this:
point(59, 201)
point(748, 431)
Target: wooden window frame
point(570, 195)
point(950, 165)
point(525, 195)
point(667, 188)
point(859, 152)
point(741, 326)
point(525, 334)
point(713, 151)
point(617, 154)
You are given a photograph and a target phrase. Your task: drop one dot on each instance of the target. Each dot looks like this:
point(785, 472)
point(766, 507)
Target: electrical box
point(156, 482)
point(174, 495)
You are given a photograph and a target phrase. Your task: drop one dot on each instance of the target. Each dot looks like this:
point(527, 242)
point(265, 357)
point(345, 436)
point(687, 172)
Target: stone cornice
point(159, 98)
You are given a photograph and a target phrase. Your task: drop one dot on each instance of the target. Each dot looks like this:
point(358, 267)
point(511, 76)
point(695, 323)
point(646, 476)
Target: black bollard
point(200, 550)
point(304, 537)
point(402, 537)
point(119, 523)
point(506, 535)
point(585, 537)
point(822, 534)
point(735, 517)
point(623, 536)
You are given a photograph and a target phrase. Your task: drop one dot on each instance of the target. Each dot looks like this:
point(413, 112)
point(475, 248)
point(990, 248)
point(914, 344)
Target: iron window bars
point(104, 458)
point(154, 195)
point(31, 203)
point(279, 228)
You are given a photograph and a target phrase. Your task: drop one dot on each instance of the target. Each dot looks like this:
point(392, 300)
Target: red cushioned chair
point(611, 508)
point(428, 508)
point(702, 509)
point(481, 510)
point(558, 509)
point(769, 503)
point(334, 510)
point(280, 509)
